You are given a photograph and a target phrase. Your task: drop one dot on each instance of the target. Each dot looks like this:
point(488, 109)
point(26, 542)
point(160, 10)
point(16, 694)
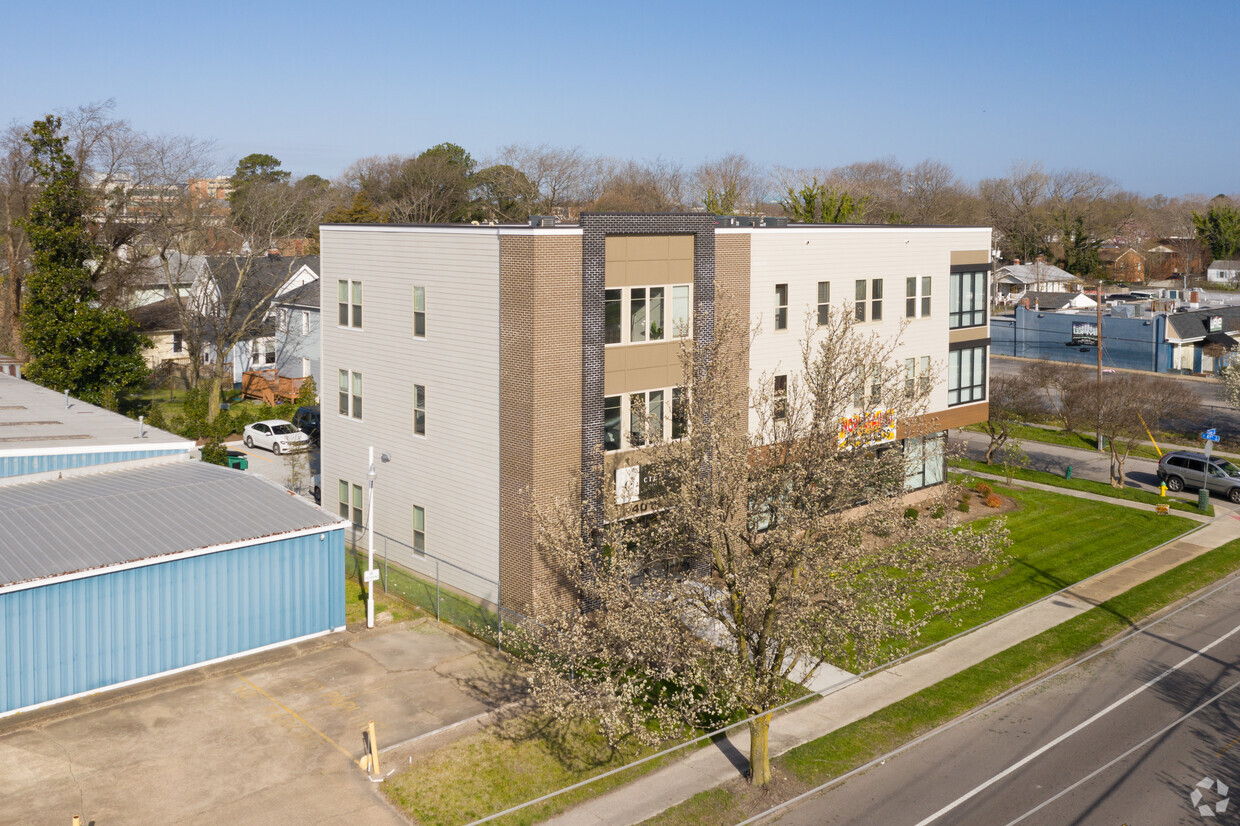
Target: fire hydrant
point(1162, 489)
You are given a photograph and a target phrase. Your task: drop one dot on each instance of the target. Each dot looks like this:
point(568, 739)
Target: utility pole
point(1098, 386)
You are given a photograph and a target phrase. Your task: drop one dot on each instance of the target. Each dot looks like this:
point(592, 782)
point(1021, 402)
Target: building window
point(824, 303)
point(966, 375)
point(967, 300)
point(923, 376)
point(611, 423)
point(614, 312)
point(305, 322)
point(349, 301)
point(923, 461)
point(178, 343)
point(680, 412)
point(647, 312)
point(351, 509)
point(911, 296)
point(781, 306)
point(283, 323)
point(876, 299)
point(419, 409)
point(910, 377)
point(656, 313)
point(350, 402)
point(780, 407)
point(419, 530)
point(645, 417)
point(419, 312)
point(860, 298)
point(263, 351)
point(681, 319)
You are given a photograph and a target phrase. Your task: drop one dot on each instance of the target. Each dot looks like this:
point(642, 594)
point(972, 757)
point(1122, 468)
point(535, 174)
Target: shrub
point(963, 507)
point(993, 501)
point(155, 417)
point(214, 453)
point(938, 512)
point(911, 512)
point(984, 490)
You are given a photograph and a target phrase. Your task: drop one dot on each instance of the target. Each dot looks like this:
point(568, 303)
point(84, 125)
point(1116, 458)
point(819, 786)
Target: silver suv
point(1186, 469)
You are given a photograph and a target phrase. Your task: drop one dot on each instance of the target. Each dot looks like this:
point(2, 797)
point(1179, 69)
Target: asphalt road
point(1124, 737)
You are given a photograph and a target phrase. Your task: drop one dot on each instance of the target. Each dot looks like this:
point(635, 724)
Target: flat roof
point(573, 228)
point(84, 523)
point(34, 419)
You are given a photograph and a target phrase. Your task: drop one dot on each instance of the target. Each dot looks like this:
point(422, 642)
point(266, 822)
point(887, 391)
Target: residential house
point(492, 363)
point(298, 343)
point(1224, 271)
point(237, 306)
point(1012, 281)
point(1126, 265)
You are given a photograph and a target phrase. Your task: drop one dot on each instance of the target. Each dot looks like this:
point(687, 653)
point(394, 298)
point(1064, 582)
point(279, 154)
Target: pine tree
point(74, 344)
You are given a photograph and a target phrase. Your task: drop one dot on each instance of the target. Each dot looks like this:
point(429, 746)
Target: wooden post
point(77, 820)
point(374, 747)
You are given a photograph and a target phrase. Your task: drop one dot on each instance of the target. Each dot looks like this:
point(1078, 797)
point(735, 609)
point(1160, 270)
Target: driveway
point(271, 738)
point(279, 469)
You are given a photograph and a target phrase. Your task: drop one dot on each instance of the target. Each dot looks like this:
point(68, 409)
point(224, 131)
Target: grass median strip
point(1083, 485)
point(858, 743)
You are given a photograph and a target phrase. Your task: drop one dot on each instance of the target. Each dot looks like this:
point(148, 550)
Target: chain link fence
point(434, 585)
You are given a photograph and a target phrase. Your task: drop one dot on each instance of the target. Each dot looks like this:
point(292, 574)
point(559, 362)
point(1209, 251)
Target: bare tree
point(628, 186)
point(17, 192)
point(561, 177)
point(1130, 404)
point(771, 551)
point(1069, 391)
point(1012, 399)
point(728, 185)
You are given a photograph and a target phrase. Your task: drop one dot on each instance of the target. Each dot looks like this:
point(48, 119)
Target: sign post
point(1210, 437)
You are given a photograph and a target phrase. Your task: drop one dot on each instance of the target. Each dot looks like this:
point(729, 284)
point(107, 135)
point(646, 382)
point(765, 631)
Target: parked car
point(1186, 469)
point(276, 435)
point(316, 489)
point(306, 419)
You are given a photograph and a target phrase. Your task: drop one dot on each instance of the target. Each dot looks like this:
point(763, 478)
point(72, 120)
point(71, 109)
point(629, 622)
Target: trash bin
point(238, 461)
point(1068, 472)
point(1203, 500)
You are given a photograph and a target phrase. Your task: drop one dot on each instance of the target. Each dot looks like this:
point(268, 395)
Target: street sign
point(1211, 432)
point(1210, 436)
point(371, 575)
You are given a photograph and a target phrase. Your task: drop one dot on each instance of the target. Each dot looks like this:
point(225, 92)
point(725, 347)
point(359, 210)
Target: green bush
point(963, 507)
point(911, 512)
point(214, 453)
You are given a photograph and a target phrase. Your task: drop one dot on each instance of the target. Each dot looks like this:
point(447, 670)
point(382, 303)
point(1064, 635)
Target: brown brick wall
point(540, 396)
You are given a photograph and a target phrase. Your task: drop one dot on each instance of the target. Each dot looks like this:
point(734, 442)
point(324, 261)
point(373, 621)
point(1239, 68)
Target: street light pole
point(1098, 392)
point(370, 543)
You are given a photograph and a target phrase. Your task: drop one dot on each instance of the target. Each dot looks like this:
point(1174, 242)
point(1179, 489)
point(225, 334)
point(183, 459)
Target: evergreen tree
point(74, 344)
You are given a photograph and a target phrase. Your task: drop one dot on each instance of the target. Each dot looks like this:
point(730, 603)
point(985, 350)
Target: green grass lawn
point(858, 743)
point(1085, 485)
point(1058, 540)
point(355, 598)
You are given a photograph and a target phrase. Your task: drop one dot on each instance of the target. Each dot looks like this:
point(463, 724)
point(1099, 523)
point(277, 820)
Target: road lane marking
point(297, 717)
point(1125, 755)
point(1074, 730)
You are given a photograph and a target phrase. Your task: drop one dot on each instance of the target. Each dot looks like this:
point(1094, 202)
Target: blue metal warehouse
point(115, 573)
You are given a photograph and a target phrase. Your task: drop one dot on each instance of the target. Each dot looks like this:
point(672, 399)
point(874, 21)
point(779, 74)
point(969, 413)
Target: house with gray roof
point(123, 559)
point(1224, 271)
point(1014, 280)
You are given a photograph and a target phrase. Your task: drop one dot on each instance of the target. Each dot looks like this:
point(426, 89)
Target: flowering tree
point(777, 545)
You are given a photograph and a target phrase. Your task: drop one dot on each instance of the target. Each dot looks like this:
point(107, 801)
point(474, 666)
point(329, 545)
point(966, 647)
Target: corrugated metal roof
point(81, 523)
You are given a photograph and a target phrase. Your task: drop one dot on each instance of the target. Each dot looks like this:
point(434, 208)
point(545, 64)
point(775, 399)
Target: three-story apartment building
point(493, 363)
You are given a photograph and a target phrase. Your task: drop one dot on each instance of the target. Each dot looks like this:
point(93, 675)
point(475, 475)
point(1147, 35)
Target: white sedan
point(276, 435)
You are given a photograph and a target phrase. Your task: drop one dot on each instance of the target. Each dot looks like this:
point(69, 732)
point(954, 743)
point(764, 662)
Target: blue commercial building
point(1196, 341)
point(119, 565)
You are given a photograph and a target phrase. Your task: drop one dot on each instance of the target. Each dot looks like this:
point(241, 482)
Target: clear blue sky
point(1147, 93)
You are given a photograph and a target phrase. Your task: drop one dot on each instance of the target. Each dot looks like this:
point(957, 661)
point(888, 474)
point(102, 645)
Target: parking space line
point(297, 717)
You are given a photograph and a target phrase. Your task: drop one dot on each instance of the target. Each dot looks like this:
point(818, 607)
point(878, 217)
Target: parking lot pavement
point(277, 468)
point(269, 738)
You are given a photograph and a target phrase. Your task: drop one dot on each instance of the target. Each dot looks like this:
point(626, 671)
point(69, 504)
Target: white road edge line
point(1075, 729)
point(1123, 756)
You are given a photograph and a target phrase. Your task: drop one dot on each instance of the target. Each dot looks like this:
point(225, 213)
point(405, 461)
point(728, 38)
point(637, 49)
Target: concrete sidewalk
point(715, 765)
